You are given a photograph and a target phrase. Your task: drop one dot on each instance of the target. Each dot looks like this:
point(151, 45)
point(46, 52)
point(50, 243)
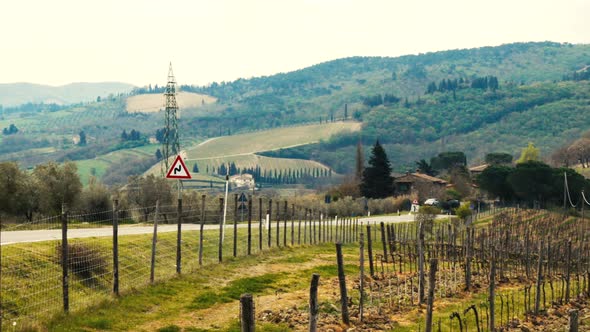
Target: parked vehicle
point(431, 201)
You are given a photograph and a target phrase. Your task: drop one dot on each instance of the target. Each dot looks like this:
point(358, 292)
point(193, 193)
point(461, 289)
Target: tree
point(463, 212)
point(494, 180)
point(195, 168)
point(461, 180)
point(530, 153)
point(95, 197)
point(580, 149)
point(448, 160)
point(498, 158)
point(144, 192)
point(124, 135)
point(345, 111)
point(532, 181)
point(159, 155)
point(82, 141)
point(424, 168)
point(359, 162)
point(377, 181)
point(57, 185)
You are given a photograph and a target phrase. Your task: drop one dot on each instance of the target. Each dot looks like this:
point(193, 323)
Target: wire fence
point(71, 261)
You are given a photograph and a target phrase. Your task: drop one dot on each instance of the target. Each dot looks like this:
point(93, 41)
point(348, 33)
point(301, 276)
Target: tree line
point(446, 85)
point(271, 176)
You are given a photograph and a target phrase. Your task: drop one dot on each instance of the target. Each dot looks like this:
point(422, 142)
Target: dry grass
point(150, 103)
point(267, 140)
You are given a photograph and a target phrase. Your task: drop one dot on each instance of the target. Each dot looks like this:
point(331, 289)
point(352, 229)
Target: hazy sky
point(61, 41)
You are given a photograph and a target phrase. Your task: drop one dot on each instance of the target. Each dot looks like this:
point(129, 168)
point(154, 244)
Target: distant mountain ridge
point(13, 94)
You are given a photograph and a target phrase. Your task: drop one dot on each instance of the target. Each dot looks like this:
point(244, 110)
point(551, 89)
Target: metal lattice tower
point(171, 145)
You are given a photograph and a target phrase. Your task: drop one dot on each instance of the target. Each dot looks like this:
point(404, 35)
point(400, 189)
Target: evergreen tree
point(345, 111)
point(377, 180)
point(124, 135)
point(159, 155)
point(195, 168)
point(82, 141)
point(359, 162)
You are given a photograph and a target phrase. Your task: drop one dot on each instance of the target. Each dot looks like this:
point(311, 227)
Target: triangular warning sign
point(178, 170)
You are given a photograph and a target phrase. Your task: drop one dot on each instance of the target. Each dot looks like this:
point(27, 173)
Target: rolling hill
point(14, 94)
point(542, 96)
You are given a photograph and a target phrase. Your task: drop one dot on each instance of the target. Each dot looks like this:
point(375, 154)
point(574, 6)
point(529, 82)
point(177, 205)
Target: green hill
point(542, 95)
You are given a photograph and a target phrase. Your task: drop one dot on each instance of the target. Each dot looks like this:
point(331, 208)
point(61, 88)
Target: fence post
point(383, 241)
point(154, 241)
point(220, 248)
point(362, 272)
point(568, 271)
point(285, 212)
point(247, 321)
point(179, 236)
point(269, 222)
point(342, 282)
point(299, 228)
point(116, 247)
point(64, 258)
point(313, 303)
point(203, 197)
point(573, 320)
point(292, 224)
point(539, 279)
point(430, 300)
point(313, 224)
point(278, 203)
point(370, 251)
point(259, 224)
point(492, 292)
point(235, 252)
point(249, 225)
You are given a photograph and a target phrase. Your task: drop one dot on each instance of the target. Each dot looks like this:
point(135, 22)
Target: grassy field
point(268, 140)
point(205, 298)
point(149, 103)
point(98, 166)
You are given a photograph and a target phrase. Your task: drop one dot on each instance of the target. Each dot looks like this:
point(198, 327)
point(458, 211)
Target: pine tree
point(377, 180)
point(195, 168)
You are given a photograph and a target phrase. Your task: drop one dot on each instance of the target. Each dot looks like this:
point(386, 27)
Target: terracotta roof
point(421, 176)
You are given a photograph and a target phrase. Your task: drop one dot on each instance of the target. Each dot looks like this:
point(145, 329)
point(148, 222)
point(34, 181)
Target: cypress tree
point(358, 174)
point(377, 181)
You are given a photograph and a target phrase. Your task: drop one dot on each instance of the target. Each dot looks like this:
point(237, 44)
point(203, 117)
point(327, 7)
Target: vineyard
point(504, 269)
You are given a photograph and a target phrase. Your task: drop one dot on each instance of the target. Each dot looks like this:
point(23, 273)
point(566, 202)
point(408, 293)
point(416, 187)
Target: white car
point(431, 201)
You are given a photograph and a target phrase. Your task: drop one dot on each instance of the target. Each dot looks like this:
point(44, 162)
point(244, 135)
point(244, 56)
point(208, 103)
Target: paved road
point(12, 237)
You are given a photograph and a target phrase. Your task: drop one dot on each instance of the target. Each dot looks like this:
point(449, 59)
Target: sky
point(63, 41)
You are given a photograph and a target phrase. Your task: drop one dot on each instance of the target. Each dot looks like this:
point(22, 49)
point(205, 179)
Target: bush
point(83, 260)
point(463, 211)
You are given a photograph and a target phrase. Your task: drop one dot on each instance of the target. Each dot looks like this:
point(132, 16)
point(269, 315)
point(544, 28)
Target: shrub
point(83, 260)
